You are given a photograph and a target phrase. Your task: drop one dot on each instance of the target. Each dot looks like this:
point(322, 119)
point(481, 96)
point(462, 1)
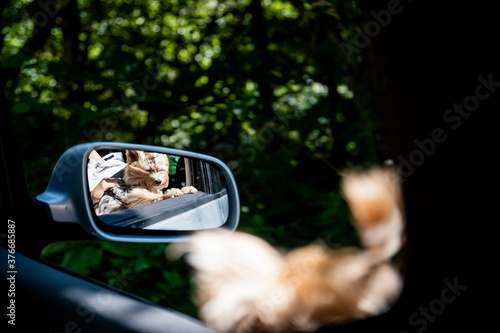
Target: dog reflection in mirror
point(145, 181)
point(245, 285)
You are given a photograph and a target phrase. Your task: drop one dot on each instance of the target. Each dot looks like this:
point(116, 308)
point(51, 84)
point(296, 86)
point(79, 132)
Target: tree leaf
point(21, 107)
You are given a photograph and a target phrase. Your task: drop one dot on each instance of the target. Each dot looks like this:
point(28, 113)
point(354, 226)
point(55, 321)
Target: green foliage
point(262, 85)
point(173, 160)
point(129, 267)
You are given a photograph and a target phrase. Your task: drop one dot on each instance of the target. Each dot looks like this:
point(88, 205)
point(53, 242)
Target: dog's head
point(148, 170)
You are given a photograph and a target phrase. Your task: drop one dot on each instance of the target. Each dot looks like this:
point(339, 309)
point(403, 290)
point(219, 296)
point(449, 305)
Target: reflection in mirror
point(149, 190)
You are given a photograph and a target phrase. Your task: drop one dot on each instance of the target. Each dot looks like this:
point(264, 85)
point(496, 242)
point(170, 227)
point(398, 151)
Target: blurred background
point(282, 91)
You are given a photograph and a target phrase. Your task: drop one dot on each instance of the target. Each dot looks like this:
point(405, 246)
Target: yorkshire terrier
point(245, 285)
point(145, 181)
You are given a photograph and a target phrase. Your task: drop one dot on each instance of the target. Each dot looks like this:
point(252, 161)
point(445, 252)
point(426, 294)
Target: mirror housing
point(68, 199)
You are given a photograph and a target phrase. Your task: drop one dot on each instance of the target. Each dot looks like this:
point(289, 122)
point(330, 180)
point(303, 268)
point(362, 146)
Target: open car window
point(197, 212)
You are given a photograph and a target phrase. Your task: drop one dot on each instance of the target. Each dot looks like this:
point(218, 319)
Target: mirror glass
point(155, 191)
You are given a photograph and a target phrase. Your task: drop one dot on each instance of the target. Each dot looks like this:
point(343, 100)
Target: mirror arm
point(64, 191)
point(59, 206)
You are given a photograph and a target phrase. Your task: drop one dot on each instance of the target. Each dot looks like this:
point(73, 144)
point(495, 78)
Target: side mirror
point(139, 193)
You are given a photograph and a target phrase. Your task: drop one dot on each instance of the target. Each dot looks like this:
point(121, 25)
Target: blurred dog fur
point(145, 181)
point(245, 285)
